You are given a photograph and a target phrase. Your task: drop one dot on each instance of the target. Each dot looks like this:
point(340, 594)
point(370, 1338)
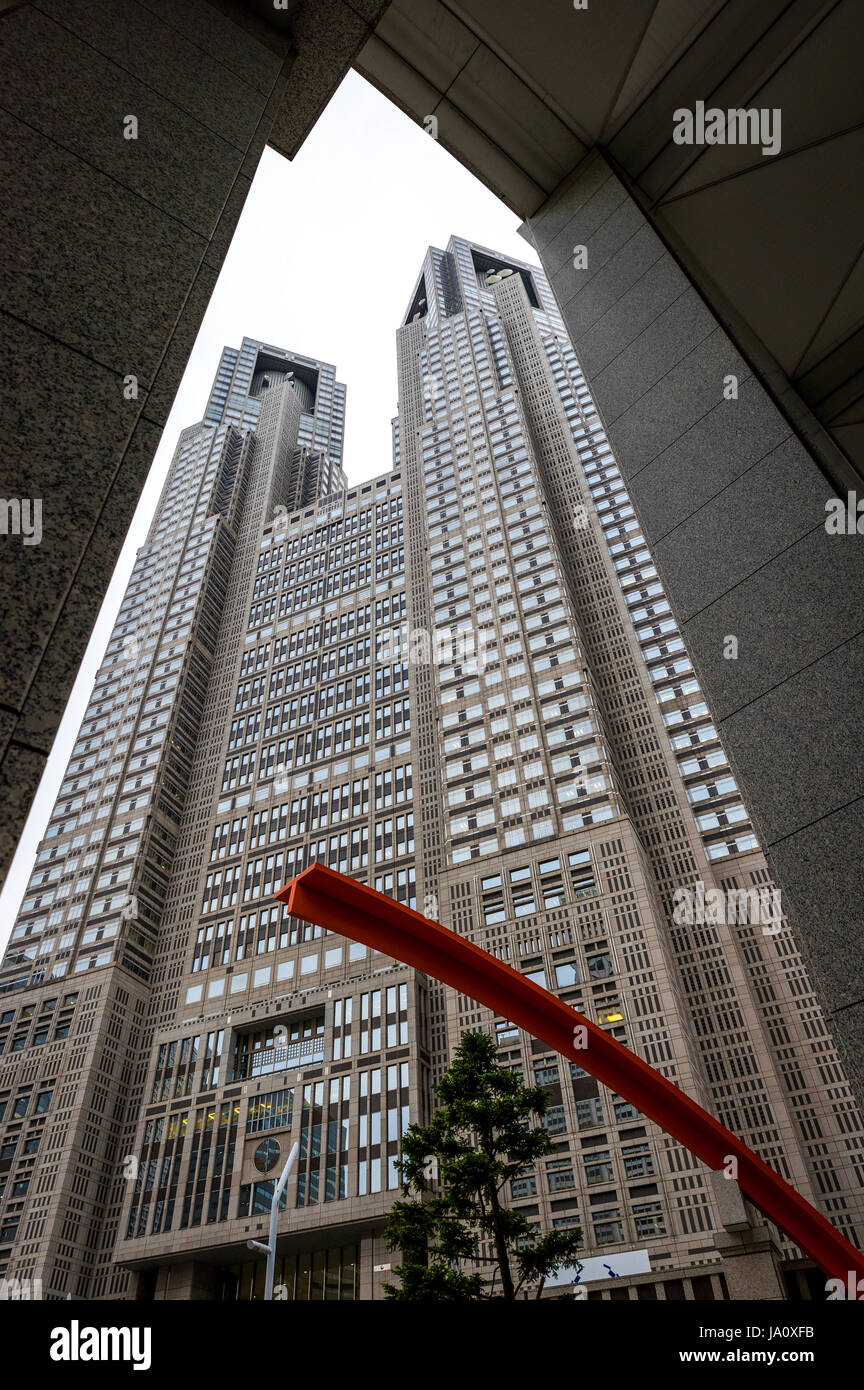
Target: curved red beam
point(332, 900)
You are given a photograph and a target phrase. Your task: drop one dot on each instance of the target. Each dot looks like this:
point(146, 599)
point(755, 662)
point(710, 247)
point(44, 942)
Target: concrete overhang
point(522, 94)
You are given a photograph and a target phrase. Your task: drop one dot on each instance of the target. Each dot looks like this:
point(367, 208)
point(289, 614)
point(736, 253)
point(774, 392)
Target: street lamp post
point(270, 1248)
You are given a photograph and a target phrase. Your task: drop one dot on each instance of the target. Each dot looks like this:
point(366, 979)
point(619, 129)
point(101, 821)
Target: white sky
point(323, 262)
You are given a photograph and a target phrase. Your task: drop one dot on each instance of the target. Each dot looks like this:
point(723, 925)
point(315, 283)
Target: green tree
point(453, 1173)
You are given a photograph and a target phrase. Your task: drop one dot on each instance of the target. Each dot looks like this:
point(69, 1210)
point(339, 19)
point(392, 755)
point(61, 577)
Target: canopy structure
point(332, 900)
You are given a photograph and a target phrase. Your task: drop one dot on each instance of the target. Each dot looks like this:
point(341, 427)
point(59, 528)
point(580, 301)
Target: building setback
point(461, 682)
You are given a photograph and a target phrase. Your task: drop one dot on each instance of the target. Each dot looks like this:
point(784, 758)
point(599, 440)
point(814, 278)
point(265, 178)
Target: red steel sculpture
point(332, 900)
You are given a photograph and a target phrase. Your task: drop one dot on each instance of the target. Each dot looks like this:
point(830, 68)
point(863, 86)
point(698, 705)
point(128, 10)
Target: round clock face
point(266, 1155)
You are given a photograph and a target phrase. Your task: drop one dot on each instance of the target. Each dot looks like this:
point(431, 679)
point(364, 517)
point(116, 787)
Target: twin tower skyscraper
point(462, 683)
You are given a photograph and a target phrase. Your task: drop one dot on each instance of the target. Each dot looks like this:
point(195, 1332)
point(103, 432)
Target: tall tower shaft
point(461, 682)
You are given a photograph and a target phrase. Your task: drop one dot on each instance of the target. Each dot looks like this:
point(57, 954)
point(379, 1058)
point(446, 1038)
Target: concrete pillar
point(130, 133)
point(750, 1253)
point(732, 505)
point(184, 1282)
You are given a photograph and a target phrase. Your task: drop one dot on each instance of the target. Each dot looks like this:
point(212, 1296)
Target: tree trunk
point(501, 1250)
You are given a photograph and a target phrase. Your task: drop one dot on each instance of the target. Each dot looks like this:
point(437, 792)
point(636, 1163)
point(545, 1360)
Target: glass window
point(555, 1120)
point(566, 974)
point(589, 1113)
point(648, 1219)
point(524, 1186)
point(638, 1162)
point(559, 1174)
point(506, 1033)
point(598, 1166)
point(608, 1227)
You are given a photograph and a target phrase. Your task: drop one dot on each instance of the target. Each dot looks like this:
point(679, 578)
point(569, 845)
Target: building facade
point(460, 681)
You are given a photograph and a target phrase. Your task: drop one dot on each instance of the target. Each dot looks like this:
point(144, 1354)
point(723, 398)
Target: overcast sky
point(323, 262)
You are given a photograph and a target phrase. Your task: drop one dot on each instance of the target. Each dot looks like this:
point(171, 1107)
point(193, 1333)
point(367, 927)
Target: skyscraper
point(461, 682)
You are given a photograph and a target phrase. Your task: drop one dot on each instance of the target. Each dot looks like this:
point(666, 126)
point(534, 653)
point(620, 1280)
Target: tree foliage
point(454, 1171)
